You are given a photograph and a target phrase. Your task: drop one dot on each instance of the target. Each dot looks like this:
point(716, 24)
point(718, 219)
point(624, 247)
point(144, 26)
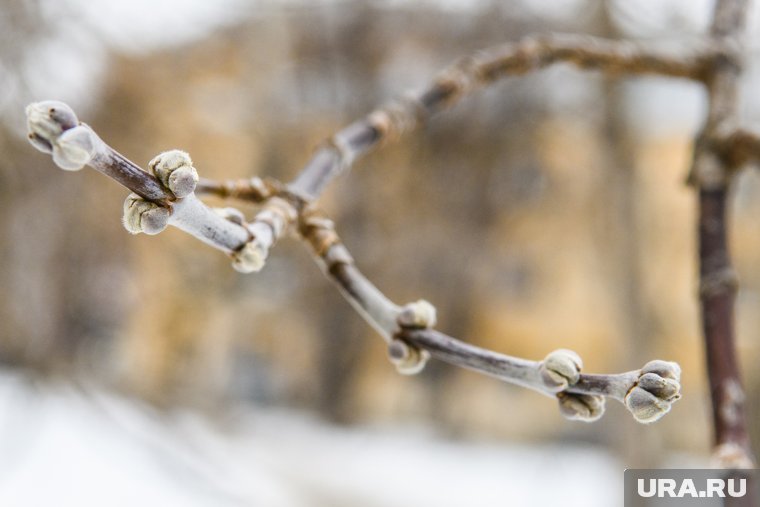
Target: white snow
point(67, 446)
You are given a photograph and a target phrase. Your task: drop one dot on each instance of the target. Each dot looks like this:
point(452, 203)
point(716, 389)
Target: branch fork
point(267, 227)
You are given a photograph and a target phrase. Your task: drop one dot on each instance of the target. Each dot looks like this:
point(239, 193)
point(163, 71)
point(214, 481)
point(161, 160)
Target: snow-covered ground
point(66, 446)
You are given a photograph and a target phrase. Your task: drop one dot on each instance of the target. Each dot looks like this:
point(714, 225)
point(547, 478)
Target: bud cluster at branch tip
point(55, 129)
point(655, 392)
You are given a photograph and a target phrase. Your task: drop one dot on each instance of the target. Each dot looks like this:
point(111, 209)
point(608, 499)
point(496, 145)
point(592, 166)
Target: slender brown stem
point(478, 70)
point(717, 295)
point(255, 189)
point(474, 72)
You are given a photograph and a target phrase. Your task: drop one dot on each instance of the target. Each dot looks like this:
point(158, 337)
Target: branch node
point(267, 227)
point(263, 189)
point(337, 254)
point(410, 359)
point(708, 171)
point(398, 116)
point(729, 51)
point(343, 149)
point(452, 83)
point(319, 231)
point(718, 282)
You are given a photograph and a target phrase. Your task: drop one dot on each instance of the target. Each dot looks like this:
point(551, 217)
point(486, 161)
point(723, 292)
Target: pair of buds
point(408, 359)
point(174, 169)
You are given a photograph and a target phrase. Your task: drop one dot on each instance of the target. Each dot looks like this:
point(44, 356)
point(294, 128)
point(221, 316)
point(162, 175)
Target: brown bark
point(712, 172)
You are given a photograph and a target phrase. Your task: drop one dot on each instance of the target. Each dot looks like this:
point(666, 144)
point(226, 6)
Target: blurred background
point(546, 211)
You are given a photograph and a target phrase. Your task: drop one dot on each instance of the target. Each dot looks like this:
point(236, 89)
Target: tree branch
point(256, 190)
point(169, 198)
point(648, 393)
point(471, 73)
point(483, 68)
point(711, 172)
point(55, 129)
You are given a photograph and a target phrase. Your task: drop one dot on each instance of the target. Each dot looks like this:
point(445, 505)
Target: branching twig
point(469, 74)
point(648, 393)
point(168, 197)
point(483, 68)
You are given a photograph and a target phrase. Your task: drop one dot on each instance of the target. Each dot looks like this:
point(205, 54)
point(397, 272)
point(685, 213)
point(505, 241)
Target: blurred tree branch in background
point(712, 177)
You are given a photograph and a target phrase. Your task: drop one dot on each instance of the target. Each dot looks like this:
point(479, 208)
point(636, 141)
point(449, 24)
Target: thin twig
point(55, 129)
point(474, 72)
point(483, 68)
point(648, 393)
point(256, 190)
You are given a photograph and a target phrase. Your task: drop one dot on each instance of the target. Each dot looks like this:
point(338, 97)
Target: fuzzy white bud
point(48, 119)
point(250, 258)
point(144, 216)
point(420, 314)
point(55, 129)
point(561, 369)
point(74, 148)
point(581, 407)
point(407, 359)
point(175, 170)
point(655, 392)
